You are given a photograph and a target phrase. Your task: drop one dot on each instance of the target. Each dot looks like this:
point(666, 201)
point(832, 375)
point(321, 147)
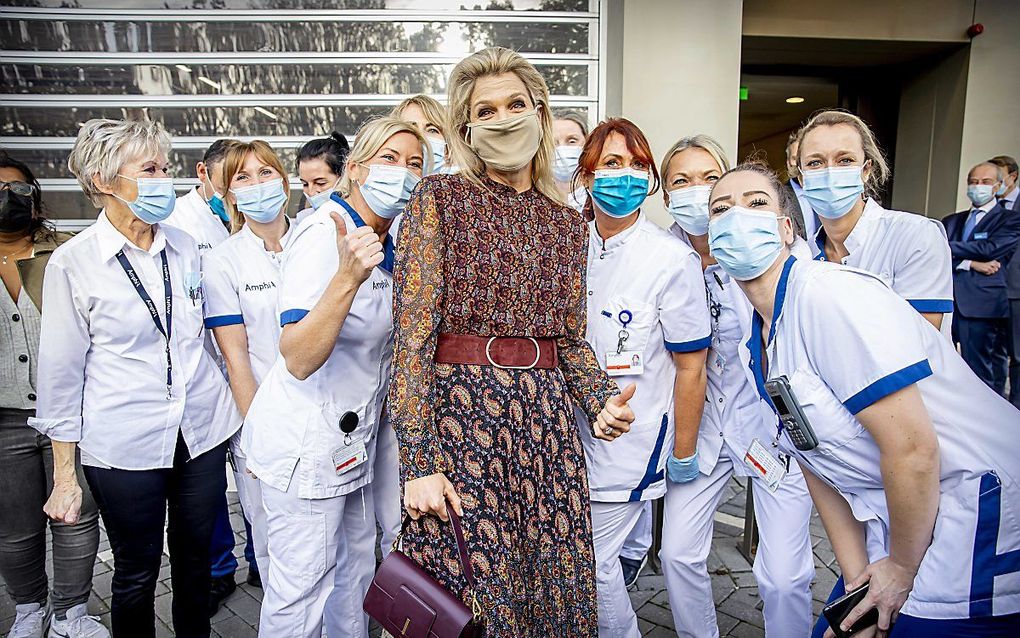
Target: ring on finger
point(608, 430)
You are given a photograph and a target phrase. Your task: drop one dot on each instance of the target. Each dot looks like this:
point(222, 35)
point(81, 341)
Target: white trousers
point(640, 540)
point(386, 487)
point(323, 558)
point(783, 566)
point(249, 492)
point(611, 523)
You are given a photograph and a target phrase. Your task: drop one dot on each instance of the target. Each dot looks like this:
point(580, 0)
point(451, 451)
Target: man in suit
point(1009, 191)
point(983, 241)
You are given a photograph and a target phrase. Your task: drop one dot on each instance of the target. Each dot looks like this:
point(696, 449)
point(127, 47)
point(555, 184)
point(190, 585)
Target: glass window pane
point(248, 79)
point(307, 5)
point(458, 38)
point(201, 121)
point(52, 162)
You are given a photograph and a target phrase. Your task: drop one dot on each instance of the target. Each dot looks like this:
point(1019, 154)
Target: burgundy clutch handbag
point(408, 602)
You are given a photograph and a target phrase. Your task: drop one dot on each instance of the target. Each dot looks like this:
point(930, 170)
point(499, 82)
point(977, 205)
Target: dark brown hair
point(40, 228)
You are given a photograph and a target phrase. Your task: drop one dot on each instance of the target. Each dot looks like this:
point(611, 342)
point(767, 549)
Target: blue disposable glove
point(682, 470)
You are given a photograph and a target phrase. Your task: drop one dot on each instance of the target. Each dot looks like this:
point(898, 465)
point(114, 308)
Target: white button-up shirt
point(646, 275)
point(845, 341)
point(242, 286)
point(193, 215)
point(102, 362)
point(909, 252)
point(292, 427)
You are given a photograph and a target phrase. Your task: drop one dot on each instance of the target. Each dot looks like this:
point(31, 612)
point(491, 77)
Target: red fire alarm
point(975, 30)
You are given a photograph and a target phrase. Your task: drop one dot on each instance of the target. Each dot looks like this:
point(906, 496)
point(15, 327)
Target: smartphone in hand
point(838, 610)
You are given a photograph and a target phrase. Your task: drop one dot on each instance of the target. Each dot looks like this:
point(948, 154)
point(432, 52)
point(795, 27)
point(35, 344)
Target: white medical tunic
point(193, 215)
point(845, 341)
point(242, 286)
point(909, 252)
point(294, 424)
point(646, 275)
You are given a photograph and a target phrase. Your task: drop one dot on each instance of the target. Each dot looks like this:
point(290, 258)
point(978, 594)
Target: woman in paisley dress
point(490, 363)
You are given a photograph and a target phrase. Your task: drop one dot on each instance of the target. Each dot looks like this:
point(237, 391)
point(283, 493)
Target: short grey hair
point(104, 146)
point(1000, 171)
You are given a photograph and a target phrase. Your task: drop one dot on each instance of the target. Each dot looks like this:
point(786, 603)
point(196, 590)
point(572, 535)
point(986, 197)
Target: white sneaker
point(29, 621)
point(78, 624)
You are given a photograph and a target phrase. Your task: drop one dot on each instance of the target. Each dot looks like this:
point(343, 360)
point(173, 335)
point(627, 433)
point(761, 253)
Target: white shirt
point(732, 418)
point(193, 215)
point(1009, 200)
point(980, 215)
point(909, 252)
point(845, 341)
point(656, 278)
point(295, 424)
point(242, 285)
point(102, 362)
point(577, 198)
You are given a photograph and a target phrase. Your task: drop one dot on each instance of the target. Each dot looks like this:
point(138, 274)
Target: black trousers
point(134, 506)
point(983, 346)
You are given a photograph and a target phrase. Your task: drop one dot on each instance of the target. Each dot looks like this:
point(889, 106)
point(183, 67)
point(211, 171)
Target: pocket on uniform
point(832, 422)
point(643, 318)
point(333, 452)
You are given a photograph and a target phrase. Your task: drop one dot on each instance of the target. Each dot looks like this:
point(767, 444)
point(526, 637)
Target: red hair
point(636, 141)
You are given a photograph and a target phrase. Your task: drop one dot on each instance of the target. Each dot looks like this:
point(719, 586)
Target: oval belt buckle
point(538, 355)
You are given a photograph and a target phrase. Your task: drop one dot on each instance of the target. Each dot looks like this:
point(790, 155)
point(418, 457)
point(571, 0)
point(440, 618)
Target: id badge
point(765, 465)
point(625, 363)
point(716, 361)
point(348, 457)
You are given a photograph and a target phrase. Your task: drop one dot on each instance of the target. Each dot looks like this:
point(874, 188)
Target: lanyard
point(129, 270)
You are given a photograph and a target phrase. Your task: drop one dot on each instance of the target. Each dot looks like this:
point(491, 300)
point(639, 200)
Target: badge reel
point(715, 359)
point(352, 453)
point(624, 362)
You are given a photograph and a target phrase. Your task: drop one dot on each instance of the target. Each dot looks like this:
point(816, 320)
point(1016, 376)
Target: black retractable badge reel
point(348, 423)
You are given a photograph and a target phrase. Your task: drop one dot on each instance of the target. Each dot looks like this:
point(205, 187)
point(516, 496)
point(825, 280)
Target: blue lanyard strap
point(132, 276)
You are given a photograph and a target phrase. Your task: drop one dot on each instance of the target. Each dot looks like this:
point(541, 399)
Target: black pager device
point(792, 417)
point(838, 609)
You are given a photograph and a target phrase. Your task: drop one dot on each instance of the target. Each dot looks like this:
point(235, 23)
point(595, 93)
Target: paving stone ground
point(736, 595)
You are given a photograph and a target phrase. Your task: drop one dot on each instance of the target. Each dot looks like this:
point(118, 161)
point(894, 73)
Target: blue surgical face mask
point(262, 202)
point(318, 199)
point(1002, 189)
point(438, 155)
point(689, 207)
point(619, 192)
point(387, 189)
point(832, 192)
point(745, 242)
point(216, 205)
point(565, 162)
point(155, 201)
point(980, 194)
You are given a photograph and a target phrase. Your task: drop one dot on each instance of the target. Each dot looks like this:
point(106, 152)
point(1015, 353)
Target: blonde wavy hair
point(233, 162)
point(371, 137)
point(706, 143)
point(880, 172)
point(497, 61)
point(433, 110)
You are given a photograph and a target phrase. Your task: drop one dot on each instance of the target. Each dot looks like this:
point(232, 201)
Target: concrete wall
point(680, 73)
point(991, 120)
point(929, 137)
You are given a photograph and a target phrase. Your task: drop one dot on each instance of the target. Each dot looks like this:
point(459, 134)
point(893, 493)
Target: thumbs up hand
point(360, 250)
point(616, 417)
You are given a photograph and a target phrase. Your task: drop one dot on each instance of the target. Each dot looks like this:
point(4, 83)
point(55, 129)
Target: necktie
point(968, 226)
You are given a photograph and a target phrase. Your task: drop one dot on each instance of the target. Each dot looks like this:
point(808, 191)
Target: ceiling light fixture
point(794, 99)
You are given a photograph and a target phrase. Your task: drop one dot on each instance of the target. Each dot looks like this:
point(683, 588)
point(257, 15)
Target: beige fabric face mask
point(509, 144)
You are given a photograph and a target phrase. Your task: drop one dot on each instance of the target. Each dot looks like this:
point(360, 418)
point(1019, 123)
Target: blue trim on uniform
point(754, 344)
point(820, 242)
point(293, 315)
point(652, 472)
point(887, 385)
point(388, 249)
point(689, 346)
point(987, 564)
point(931, 305)
point(777, 306)
point(223, 320)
